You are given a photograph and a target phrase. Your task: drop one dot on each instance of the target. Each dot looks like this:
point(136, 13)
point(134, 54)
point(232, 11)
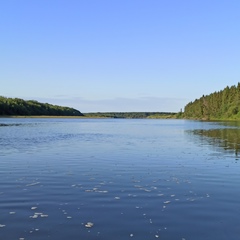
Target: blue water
point(118, 179)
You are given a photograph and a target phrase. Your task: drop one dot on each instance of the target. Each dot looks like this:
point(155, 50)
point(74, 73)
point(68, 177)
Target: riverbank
point(97, 115)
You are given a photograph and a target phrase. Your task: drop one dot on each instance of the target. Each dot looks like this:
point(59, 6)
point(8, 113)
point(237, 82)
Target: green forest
point(20, 107)
point(131, 115)
point(224, 104)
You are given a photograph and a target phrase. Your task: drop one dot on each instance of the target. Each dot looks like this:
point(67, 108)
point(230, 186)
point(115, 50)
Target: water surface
point(131, 179)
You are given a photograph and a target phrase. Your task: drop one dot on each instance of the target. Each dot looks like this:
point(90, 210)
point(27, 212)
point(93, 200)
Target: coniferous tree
point(222, 104)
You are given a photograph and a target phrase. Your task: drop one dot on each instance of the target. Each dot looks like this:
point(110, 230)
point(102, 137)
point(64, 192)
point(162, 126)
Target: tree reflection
point(225, 138)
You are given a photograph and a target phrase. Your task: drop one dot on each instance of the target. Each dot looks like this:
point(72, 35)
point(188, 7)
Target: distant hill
point(224, 104)
point(20, 107)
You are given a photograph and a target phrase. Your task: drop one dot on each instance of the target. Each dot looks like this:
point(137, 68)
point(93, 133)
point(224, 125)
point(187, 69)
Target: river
point(119, 179)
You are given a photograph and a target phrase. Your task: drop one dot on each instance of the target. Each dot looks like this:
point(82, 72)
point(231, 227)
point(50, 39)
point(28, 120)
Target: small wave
point(10, 125)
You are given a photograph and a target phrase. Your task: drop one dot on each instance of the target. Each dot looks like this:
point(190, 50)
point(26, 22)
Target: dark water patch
point(226, 139)
point(10, 125)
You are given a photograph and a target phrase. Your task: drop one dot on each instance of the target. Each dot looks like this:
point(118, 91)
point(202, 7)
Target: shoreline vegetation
point(131, 115)
point(221, 105)
point(19, 107)
point(217, 106)
point(99, 116)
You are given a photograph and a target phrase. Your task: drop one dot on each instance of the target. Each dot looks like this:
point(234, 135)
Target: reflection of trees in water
point(226, 138)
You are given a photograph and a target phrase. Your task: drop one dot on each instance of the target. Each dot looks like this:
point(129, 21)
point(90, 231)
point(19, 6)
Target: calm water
point(119, 179)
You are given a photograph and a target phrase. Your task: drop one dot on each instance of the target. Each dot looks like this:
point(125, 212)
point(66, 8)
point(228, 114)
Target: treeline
point(17, 106)
point(131, 115)
point(224, 104)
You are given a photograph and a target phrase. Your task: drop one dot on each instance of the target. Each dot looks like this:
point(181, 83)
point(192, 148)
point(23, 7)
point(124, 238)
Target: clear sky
point(118, 55)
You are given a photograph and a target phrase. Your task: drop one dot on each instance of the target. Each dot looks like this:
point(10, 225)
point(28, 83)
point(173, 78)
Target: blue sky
point(118, 55)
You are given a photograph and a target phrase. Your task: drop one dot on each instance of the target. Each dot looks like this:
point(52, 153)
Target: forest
point(131, 115)
point(224, 104)
point(20, 107)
